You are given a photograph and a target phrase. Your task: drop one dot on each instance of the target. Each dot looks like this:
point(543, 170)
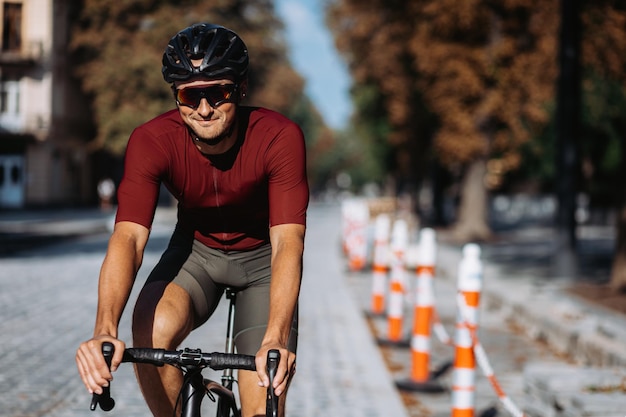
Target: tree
point(119, 44)
point(488, 71)
point(485, 68)
point(389, 120)
point(604, 56)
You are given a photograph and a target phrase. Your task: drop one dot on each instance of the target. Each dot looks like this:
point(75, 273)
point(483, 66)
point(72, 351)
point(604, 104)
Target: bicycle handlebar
point(190, 357)
point(183, 358)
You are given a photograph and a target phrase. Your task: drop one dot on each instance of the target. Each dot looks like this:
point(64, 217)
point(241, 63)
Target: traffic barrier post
point(356, 217)
point(380, 266)
point(398, 284)
point(421, 378)
point(470, 275)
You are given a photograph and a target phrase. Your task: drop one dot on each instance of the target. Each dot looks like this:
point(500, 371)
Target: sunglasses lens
point(188, 97)
point(215, 95)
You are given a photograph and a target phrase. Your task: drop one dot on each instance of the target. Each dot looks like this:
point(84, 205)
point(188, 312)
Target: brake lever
point(104, 400)
point(273, 357)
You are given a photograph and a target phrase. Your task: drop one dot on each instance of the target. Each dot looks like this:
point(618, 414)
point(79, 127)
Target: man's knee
point(162, 316)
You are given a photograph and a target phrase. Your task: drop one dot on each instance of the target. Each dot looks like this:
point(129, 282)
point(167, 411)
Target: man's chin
point(208, 136)
point(210, 141)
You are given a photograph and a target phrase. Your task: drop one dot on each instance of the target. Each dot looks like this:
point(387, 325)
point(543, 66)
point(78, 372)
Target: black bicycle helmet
point(221, 50)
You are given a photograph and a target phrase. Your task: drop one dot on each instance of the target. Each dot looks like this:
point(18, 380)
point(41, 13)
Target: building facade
point(44, 119)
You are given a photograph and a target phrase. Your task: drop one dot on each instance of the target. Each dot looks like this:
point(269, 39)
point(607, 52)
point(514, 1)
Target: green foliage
point(601, 146)
point(362, 151)
point(603, 130)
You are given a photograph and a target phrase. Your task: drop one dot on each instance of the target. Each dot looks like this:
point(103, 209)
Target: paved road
point(47, 305)
point(48, 298)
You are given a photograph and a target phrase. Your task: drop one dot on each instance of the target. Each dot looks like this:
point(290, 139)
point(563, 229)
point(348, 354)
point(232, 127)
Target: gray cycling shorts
point(206, 272)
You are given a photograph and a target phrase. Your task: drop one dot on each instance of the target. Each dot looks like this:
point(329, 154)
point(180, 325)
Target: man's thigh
point(163, 315)
point(183, 265)
point(251, 317)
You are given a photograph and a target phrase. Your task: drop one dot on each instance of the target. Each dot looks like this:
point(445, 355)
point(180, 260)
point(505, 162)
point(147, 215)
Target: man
point(238, 174)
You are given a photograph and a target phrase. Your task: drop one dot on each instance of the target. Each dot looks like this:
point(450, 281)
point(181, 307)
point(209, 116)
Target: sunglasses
point(215, 95)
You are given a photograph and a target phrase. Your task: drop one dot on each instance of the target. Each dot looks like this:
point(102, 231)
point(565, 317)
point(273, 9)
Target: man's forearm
point(285, 285)
point(117, 276)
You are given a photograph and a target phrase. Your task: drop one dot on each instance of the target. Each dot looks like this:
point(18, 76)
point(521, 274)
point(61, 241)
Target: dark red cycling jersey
point(228, 201)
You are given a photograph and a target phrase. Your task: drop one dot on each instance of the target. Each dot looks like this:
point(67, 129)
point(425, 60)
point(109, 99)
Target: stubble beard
point(214, 135)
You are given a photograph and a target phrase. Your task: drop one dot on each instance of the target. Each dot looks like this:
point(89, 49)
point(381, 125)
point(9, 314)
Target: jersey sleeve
point(144, 165)
point(288, 185)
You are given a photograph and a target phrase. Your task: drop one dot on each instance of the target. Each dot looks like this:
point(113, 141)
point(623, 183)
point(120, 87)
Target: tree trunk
point(471, 222)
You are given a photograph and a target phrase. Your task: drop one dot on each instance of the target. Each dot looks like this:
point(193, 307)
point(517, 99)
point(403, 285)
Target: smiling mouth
point(206, 122)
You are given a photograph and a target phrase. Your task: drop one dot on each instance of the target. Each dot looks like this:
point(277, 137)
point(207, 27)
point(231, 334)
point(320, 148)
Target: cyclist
point(238, 173)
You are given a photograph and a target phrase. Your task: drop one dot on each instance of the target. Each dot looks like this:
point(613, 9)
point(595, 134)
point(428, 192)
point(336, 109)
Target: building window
point(4, 99)
point(11, 26)
point(9, 96)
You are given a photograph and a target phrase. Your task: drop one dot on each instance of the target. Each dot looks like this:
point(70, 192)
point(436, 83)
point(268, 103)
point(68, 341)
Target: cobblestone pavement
point(537, 339)
point(47, 306)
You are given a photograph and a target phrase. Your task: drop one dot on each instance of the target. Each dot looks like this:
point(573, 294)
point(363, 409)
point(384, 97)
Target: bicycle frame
point(226, 404)
point(195, 386)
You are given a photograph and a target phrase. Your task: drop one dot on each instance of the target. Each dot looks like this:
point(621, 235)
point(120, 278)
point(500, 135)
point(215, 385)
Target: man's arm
point(287, 249)
point(117, 275)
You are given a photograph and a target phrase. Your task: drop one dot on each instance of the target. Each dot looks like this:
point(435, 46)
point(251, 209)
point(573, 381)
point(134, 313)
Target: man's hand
point(91, 365)
point(284, 373)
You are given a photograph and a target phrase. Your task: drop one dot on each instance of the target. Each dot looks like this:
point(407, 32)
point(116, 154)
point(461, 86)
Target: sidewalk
point(24, 229)
point(589, 339)
point(583, 369)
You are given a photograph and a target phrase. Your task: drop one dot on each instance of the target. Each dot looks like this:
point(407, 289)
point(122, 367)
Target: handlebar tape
point(221, 361)
point(140, 355)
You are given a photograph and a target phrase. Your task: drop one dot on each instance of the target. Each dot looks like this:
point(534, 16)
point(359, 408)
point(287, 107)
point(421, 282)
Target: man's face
point(211, 114)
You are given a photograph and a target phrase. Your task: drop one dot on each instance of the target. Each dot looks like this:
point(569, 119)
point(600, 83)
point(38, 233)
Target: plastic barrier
point(468, 350)
point(380, 265)
point(421, 377)
point(398, 283)
point(470, 285)
point(355, 221)
point(483, 361)
point(470, 275)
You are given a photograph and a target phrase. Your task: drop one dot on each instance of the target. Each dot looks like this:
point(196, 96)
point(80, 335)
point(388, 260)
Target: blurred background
point(478, 115)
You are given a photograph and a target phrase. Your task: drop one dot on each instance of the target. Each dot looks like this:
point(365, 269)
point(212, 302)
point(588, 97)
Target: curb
point(571, 326)
point(594, 338)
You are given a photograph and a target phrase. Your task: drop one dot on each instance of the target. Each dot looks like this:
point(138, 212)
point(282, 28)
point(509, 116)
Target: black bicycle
point(191, 362)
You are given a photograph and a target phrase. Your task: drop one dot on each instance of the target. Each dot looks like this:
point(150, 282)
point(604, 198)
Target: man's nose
point(204, 108)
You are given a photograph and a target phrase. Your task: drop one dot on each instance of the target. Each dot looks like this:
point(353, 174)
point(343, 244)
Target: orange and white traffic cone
point(421, 377)
point(380, 264)
point(470, 276)
point(398, 283)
